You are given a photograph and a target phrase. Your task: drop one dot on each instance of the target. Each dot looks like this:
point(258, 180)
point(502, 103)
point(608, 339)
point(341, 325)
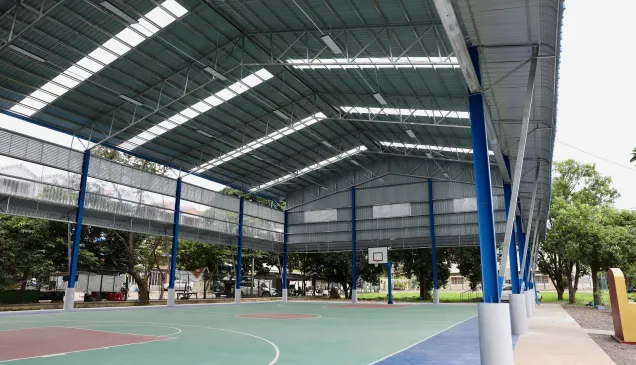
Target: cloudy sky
point(594, 91)
point(593, 125)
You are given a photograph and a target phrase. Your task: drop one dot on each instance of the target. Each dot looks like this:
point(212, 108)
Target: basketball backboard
point(378, 255)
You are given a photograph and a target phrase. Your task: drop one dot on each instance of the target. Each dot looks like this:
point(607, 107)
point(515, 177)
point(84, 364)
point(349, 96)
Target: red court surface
point(278, 316)
point(49, 341)
point(371, 306)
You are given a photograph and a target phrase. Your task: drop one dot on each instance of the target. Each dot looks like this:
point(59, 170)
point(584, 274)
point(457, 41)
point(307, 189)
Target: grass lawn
point(444, 297)
point(582, 298)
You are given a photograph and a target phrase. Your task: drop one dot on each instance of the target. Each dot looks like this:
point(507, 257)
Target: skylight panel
point(304, 123)
point(375, 62)
point(102, 56)
point(406, 112)
point(199, 108)
point(430, 147)
point(309, 169)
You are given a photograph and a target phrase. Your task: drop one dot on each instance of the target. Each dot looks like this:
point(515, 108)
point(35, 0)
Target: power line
point(597, 156)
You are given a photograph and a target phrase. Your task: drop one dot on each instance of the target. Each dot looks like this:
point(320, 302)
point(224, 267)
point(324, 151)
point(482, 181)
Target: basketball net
point(375, 264)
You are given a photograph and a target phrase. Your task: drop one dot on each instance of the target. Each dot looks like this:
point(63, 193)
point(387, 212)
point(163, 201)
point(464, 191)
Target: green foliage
point(468, 260)
point(585, 231)
point(419, 263)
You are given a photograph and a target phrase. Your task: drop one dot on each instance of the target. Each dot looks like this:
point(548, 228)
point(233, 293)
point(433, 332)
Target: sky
point(594, 94)
point(594, 91)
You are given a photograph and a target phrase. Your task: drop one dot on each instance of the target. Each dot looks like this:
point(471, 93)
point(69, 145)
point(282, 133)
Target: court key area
point(259, 333)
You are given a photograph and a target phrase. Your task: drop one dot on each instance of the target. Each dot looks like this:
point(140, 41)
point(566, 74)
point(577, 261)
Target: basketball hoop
point(377, 256)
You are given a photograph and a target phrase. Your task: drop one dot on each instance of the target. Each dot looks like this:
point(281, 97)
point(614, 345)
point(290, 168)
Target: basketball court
point(258, 333)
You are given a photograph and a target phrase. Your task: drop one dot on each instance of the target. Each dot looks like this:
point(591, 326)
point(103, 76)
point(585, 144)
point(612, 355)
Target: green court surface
point(216, 334)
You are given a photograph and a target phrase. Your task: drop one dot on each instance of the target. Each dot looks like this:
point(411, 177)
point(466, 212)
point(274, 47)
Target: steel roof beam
point(519, 166)
point(11, 39)
point(458, 43)
point(349, 28)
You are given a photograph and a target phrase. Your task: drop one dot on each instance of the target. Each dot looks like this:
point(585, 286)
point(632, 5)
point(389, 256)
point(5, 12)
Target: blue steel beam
point(239, 256)
point(175, 235)
point(354, 274)
point(431, 214)
point(79, 217)
point(514, 261)
point(483, 187)
point(285, 230)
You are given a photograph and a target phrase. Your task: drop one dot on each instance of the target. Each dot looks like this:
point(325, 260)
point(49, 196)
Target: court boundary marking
point(419, 342)
point(272, 362)
point(125, 333)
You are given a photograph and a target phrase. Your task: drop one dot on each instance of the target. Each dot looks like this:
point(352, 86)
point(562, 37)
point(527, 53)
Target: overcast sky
point(595, 90)
point(594, 94)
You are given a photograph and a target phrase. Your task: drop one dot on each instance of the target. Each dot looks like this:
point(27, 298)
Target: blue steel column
point(285, 258)
point(175, 239)
point(77, 235)
point(520, 244)
point(239, 256)
point(512, 254)
point(431, 215)
point(390, 288)
point(354, 274)
point(485, 215)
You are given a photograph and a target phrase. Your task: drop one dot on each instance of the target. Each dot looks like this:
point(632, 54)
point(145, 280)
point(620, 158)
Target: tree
point(337, 267)
point(468, 260)
point(137, 252)
point(29, 249)
point(419, 263)
point(578, 190)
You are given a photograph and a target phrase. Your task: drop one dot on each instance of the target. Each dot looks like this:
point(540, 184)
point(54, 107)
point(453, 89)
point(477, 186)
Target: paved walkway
point(555, 338)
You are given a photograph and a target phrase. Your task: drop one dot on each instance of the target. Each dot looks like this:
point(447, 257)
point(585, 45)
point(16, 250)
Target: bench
point(186, 295)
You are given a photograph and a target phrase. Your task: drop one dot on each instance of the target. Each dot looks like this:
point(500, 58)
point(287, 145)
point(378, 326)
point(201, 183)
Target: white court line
point(202, 312)
point(281, 319)
point(272, 362)
point(419, 342)
point(126, 333)
point(92, 349)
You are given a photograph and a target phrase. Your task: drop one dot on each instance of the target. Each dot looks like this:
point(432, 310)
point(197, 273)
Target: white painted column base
point(518, 315)
point(172, 296)
point(435, 296)
point(69, 299)
point(354, 296)
point(237, 296)
point(495, 340)
point(284, 295)
point(529, 294)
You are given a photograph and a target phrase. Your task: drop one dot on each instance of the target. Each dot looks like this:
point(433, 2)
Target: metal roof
point(166, 72)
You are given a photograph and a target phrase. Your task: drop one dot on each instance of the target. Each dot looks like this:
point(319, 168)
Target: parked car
point(507, 290)
point(180, 285)
point(261, 290)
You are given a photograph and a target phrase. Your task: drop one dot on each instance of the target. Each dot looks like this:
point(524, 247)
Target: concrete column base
point(518, 315)
point(435, 296)
point(495, 340)
point(172, 297)
point(284, 295)
point(237, 296)
point(354, 296)
point(529, 302)
point(69, 299)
